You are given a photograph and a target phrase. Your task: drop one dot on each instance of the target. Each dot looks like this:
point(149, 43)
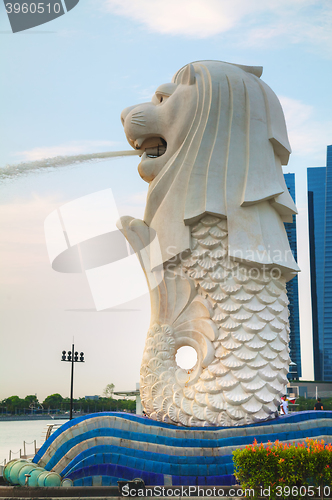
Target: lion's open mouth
point(153, 147)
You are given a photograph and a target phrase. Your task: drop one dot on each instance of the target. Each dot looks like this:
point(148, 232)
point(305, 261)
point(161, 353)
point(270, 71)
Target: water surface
point(12, 435)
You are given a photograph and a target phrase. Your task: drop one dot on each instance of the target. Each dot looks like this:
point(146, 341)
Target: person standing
point(284, 406)
point(318, 405)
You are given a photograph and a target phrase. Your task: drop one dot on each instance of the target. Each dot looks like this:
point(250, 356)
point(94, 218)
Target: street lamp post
point(72, 358)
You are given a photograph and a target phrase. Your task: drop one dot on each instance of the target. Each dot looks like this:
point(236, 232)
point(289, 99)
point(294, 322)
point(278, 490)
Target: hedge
point(280, 470)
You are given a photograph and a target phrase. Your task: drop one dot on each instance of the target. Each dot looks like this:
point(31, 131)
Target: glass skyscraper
point(320, 240)
point(295, 371)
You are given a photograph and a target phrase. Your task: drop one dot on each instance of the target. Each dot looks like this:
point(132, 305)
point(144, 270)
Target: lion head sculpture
point(214, 140)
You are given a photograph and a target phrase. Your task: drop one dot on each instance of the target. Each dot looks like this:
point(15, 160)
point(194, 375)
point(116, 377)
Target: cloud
point(199, 18)
point(68, 148)
point(307, 135)
point(297, 20)
point(296, 112)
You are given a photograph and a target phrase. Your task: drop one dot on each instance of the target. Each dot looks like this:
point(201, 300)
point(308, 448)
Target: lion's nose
point(125, 113)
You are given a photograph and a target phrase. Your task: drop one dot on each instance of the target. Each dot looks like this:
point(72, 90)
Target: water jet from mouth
point(12, 171)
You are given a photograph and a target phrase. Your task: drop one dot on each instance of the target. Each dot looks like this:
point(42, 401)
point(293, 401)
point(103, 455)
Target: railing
point(28, 412)
point(11, 453)
point(49, 430)
point(24, 454)
point(46, 434)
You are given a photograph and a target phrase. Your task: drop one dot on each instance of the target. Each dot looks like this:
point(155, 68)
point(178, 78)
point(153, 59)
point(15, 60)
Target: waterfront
point(13, 433)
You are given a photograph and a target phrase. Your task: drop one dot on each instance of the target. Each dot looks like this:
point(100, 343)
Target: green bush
point(308, 404)
point(285, 470)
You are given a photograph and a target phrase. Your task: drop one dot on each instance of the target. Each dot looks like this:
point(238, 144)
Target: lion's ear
point(188, 75)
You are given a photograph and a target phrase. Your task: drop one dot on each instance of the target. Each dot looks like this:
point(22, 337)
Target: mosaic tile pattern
point(103, 448)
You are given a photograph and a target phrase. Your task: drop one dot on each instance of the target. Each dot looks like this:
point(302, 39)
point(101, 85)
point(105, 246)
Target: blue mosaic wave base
point(103, 448)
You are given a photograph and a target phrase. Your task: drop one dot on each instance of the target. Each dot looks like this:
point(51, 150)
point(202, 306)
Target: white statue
point(214, 140)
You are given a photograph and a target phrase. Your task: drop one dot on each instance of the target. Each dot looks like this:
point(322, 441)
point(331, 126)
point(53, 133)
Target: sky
point(64, 86)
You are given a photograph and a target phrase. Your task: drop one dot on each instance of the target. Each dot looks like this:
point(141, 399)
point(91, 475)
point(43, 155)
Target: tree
point(31, 399)
point(53, 401)
point(108, 391)
point(12, 403)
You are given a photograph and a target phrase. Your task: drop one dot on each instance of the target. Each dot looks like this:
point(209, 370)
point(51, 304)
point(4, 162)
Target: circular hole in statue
point(186, 357)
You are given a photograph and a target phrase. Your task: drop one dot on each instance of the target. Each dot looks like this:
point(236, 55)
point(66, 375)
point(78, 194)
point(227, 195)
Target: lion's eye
point(164, 92)
point(161, 97)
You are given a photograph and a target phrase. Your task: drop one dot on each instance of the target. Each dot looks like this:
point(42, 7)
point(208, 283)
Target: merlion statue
point(213, 245)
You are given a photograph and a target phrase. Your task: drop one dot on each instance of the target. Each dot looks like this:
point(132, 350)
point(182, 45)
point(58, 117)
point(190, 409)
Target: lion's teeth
point(138, 143)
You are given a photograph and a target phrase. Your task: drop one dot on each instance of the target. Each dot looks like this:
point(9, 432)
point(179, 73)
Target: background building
point(320, 241)
point(295, 370)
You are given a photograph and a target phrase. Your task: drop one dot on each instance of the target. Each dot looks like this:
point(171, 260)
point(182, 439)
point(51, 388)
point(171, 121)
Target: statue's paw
point(137, 223)
point(142, 231)
point(124, 225)
point(124, 222)
point(137, 233)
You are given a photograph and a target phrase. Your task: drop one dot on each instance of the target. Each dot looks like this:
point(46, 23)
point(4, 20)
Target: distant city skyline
point(293, 293)
point(320, 236)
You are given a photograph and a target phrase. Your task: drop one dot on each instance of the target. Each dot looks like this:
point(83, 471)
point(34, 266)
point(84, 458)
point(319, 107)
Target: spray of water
point(10, 171)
